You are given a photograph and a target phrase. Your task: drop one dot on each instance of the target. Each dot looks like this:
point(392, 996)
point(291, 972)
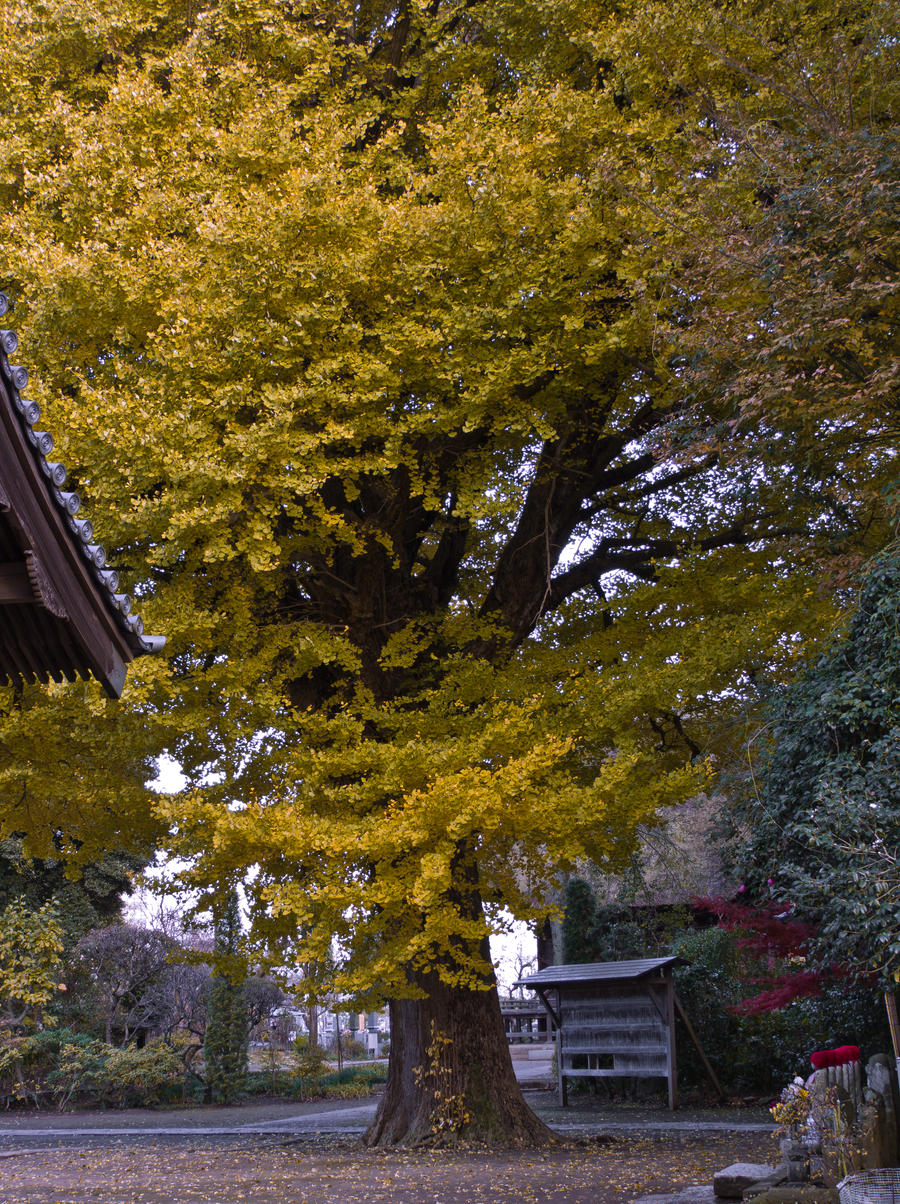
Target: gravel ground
point(331, 1170)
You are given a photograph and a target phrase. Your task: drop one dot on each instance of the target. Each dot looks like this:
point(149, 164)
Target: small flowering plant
point(792, 1111)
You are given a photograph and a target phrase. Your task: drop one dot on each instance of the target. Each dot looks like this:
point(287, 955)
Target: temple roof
point(61, 613)
point(578, 974)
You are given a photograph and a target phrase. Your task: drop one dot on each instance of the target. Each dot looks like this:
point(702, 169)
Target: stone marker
point(881, 1073)
point(730, 1182)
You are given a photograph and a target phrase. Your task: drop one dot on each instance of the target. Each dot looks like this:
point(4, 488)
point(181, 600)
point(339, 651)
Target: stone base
point(732, 1182)
point(785, 1194)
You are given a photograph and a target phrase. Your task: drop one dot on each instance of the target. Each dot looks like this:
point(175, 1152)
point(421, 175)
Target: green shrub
point(95, 1073)
point(708, 986)
point(279, 1083)
point(360, 1090)
point(26, 1063)
point(350, 1075)
point(310, 1062)
point(349, 1083)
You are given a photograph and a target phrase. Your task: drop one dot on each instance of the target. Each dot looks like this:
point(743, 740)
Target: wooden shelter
point(61, 613)
point(524, 1021)
point(612, 1019)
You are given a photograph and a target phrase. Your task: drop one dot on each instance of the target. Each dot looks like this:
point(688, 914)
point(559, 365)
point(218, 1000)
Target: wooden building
point(62, 615)
point(612, 1019)
point(523, 1021)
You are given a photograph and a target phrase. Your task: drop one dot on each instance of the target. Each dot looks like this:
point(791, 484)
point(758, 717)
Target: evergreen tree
point(823, 807)
point(578, 922)
point(227, 1030)
point(91, 898)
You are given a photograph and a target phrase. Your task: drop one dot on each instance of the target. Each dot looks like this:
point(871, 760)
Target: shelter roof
point(597, 972)
point(61, 613)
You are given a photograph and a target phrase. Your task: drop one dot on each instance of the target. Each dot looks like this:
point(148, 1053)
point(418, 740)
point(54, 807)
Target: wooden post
point(670, 1025)
point(561, 1078)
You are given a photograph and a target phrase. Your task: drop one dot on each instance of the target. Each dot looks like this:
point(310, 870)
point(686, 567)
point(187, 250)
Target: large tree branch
point(638, 557)
point(14, 1021)
point(579, 464)
point(660, 485)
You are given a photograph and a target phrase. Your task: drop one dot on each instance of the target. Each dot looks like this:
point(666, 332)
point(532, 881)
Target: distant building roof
point(61, 613)
point(597, 972)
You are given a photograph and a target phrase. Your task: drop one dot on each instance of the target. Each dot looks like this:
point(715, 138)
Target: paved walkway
point(336, 1118)
point(533, 1065)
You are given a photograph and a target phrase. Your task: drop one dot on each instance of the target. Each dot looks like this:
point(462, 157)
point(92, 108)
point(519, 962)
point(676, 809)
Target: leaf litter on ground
point(340, 1171)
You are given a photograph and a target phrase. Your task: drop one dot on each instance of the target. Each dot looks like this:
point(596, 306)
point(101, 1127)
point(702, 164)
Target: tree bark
point(450, 1074)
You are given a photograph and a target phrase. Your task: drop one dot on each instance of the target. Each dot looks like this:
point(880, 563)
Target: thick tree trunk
point(450, 1075)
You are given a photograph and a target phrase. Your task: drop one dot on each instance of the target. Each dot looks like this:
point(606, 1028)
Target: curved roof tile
point(62, 614)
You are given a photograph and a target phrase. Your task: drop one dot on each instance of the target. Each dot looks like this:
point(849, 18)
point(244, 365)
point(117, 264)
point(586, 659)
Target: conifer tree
point(225, 1043)
point(578, 921)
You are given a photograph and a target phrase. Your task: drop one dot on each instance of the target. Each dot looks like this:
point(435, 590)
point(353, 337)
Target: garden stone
point(816, 1166)
point(870, 1122)
point(779, 1178)
point(731, 1182)
point(756, 1190)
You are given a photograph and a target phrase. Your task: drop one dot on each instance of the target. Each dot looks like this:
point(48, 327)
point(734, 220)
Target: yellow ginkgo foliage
point(360, 327)
point(31, 945)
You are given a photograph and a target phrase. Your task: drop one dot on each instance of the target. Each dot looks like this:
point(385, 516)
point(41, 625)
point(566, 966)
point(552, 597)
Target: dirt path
point(612, 1170)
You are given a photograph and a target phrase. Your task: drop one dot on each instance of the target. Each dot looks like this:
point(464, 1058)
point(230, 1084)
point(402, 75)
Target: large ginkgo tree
point(362, 324)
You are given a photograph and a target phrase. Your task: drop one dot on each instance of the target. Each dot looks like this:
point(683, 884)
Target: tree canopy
point(369, 328)
point(31, 942)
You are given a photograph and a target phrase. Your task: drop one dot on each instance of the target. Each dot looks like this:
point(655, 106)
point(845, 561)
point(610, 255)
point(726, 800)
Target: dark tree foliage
point(227, 1030)
point(92, 898)
point(823, 810)
point(263, 997)
point(177, 999)
point(578, 922)
point(759, 1004)
point(621, 933)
